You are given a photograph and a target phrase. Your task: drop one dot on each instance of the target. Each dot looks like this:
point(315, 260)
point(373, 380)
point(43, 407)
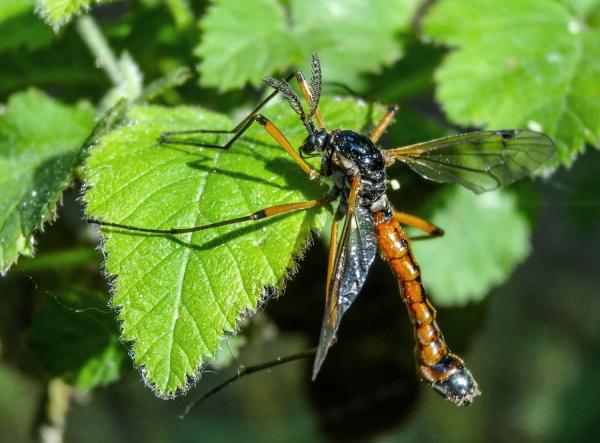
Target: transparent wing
point(480, 161)
point(355, 254)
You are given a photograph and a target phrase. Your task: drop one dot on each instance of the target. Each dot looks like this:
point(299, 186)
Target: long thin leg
point(273, 130)
point(333, 241)
point(352, 197)
point(248, 370)
point(383, 124)
point(429, 228)
point(164, 136)
point(258, 215)
point(333, 312)
point(385, 121)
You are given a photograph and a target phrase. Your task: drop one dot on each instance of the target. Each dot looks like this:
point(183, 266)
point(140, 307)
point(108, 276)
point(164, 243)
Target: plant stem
point(181, 12)
point(93, 38)
point(50, 423)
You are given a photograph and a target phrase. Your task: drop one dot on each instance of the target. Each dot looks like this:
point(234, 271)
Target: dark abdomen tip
point(452, 380)
point(460, 388)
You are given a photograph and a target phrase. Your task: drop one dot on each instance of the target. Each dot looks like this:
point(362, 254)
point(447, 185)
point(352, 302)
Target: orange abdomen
point(435, 363)
point(395, 247)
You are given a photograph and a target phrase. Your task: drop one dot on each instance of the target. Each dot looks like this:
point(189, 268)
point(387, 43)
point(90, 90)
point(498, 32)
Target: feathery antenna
point(290, 95)
point(315, 84)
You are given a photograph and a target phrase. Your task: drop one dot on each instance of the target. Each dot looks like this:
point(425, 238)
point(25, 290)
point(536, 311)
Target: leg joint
point(261, 119)
point(300, 76)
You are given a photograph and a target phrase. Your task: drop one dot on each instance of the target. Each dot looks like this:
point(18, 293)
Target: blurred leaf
point(413, 127)
point(13, 8)
point(228, 352)
point(158, 52)
point(59, 12)
point(518, 63)
point(75, 336)
point(19, 27)
point(181, 12)
point(65, 67)
point(486, 237)
point(160, 86)
point(177, 295)
point(59, 261)
point(39, 142)
point(410, 77)
point(243, 41)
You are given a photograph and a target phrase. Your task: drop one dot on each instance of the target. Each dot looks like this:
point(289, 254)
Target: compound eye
point(307, 147)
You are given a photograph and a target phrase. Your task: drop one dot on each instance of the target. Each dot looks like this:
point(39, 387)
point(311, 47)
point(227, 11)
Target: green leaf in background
point(178, 295)
point(85, 350)
point(486, 237)
point(243, 41)
point(19, 27)
point(236, 51)
point(39, 142)
point(532, 63)
point(70, 75)
point(13, 8)
point(58, 12)
point(172, 79)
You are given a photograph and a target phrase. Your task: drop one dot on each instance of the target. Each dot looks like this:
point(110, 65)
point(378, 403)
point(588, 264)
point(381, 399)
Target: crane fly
point(480, 161)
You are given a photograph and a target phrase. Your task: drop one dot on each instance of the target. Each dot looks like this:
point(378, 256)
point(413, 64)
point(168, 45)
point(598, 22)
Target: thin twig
point(51, 419)
point(182, 12)
point(99, 47)
point(247, 370)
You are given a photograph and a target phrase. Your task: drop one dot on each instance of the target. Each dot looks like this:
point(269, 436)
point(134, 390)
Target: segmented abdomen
point(396, 250)
point(435, 363)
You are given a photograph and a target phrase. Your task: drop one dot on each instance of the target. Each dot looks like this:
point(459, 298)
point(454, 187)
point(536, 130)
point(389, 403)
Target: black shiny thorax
point(349, 153)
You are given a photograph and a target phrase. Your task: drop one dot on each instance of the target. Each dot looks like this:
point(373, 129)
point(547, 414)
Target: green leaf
point(25, 31)
point(58, 12)
point(244, 41)
point(519, 63)
point(19, 27)
point(228, 352)
point(75, 336)
point(162, 85)
point(58, 261)
point(13, 8)
point(178, 295)
point(485, 238)
point(410, 77)
point(39, 142)
point(65, 65)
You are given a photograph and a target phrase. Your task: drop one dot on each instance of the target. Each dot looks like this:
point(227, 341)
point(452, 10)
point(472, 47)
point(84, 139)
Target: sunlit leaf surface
point(243, 41)
point(177, 295)
point(522, 64)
